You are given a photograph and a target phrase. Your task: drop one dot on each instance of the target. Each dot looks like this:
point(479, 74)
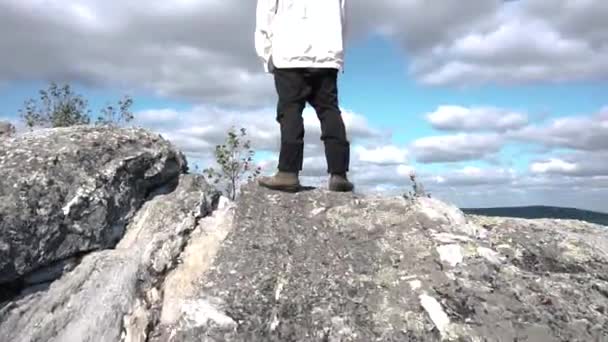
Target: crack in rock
point(309, 266)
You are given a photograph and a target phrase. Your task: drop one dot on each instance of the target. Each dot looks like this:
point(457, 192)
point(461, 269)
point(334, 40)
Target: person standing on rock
point(301, 42)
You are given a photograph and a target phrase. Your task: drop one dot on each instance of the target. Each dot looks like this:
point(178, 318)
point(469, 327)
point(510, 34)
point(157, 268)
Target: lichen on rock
point(73, 190)
point(116, 242)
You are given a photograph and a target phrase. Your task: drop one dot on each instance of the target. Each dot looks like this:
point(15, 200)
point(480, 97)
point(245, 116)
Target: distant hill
point(534, 212)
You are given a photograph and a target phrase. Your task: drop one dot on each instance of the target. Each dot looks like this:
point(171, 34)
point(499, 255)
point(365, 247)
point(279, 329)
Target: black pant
point(318, 87)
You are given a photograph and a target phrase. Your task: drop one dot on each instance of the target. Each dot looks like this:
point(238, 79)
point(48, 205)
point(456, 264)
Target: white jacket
point(301, 33)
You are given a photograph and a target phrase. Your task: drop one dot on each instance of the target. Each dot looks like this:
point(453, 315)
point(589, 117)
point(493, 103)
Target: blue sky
point(491, 105)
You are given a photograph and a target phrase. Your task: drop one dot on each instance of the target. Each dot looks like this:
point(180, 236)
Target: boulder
point(65, 192)
point(105, 237)
point(6, 129)
point(320, 266)
point(114, 294)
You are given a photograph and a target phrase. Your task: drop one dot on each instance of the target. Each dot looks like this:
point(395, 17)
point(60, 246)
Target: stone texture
point(320, 266)
point(114, 295)
point(180, 287)
point(104, 237)
point(64, 192)
point(6, 129)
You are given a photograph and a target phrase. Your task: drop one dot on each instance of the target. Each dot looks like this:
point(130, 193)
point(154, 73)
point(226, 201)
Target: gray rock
point(319, 266)
point(64, 192)
point(114, 295)
point(105, 238)
point(6, 129)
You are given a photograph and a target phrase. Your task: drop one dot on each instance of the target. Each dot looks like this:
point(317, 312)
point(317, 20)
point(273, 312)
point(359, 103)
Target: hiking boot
point(339, 182)
point(281, 181)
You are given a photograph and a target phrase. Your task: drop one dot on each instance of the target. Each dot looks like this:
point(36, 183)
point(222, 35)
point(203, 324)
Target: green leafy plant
point(60, 106)
point(235, 162)
point(57, 107)
point(111, 115)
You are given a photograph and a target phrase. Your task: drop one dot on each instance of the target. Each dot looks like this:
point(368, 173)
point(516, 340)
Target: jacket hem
point(305, 64)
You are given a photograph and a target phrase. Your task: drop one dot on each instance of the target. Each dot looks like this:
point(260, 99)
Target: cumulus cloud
point(526, 41)
point(575, 164)
point(420, 25)
point(553, 165)
point(457, 118)
point(198, 130)
point(368, 176)
point(196, 50)
point(388, 154)
point(378, 166)
point(589, 133)
point(459, 147)
point(569, 170)
point(473, 176)
point(375, 160)
point(584, 133)
point(203, 50)
point(573, 18)
point(564, 183)
point(483, 187)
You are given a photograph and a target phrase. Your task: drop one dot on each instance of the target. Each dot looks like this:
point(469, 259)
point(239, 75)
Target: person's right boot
point(281, 181)
point(340, 183)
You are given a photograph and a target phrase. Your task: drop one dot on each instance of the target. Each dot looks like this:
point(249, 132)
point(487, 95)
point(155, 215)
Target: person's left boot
point(340, 183)
point(281, 181)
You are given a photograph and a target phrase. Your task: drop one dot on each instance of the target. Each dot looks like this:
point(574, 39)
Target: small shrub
point(235, 162)
point(110, 116)
point(417, 188)
point(60, 106)
point(56, 107)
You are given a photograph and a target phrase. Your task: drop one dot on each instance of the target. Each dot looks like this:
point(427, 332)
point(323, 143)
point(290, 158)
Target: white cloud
point(368, 177)
point(457, 118)
point(565, 183)
point(573, 18)
point(357, 126)
point(522, 44)
point(383, 167)
point(388, 154)
point(374, 159)
point(574, 164)
point(180, 50)
point(472, 176)
point(197, 131)
point(490, 187)
point(405, 170)
point(589, 133)
point(365, 173)
point(183, 50)
point(460, 147)
point(553, 165)
point(403, 22)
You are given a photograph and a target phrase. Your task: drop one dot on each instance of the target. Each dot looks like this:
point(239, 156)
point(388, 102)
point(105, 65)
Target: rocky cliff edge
point(104, 236)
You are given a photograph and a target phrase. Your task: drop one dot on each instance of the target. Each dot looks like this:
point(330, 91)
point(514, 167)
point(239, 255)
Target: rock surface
point(67, 191)
point(6, 129)
point(318, 266)
point(114, 294)
point(313, 266)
